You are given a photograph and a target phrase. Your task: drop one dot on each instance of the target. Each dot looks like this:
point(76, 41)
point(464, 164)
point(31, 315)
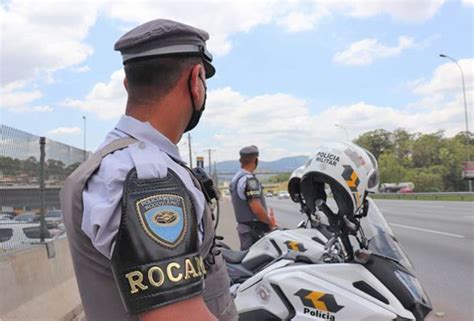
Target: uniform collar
point(143, 131)
point(246, 171)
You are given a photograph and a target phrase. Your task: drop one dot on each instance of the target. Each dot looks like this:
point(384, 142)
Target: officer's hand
point(271, 216)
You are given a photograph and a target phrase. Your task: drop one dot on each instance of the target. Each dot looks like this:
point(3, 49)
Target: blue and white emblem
point(163, 217)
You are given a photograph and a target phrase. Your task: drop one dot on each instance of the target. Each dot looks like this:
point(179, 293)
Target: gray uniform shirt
point(242, 182)
point(103, 193)
point(242, 209)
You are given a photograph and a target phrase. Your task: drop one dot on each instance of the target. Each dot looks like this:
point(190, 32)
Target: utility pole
point(85, 153)
point(345, 130)
point(468, 134)
point(215, 178)
point(42, 190)
point(210, 160)
point(190, 151)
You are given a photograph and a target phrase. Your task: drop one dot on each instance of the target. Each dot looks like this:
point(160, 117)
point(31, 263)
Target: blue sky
point(286, 71)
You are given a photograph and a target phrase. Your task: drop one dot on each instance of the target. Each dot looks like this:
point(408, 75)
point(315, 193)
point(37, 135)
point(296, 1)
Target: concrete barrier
point(227, 224)
point(37, 288)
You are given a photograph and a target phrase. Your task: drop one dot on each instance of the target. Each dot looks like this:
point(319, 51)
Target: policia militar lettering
point(249, 203)
point(139, 226)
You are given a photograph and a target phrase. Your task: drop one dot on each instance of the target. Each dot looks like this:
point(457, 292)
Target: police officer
point(248, 200)
point(139, 228)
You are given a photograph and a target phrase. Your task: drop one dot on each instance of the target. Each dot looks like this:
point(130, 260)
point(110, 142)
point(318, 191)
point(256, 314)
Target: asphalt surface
point(439, 239)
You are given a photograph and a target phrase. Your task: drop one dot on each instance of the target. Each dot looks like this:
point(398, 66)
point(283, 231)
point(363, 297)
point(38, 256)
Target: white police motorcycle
point(308, 238)
point(362, 272)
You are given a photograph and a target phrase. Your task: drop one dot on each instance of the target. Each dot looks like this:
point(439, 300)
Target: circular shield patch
point(163, 218)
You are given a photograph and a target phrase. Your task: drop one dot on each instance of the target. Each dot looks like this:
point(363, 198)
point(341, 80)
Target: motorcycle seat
point(231, 256)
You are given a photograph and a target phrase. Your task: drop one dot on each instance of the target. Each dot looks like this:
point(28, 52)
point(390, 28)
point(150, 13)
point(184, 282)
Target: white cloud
point(39, 39)
point(468, 2)
point(221, 19)
point(15, 98)
point(106, 100)
point(297, 21)
point(447, 79)
point(81, 69)
point(61, 131)
point(366, 51)
point(442, 94)
point(282, 124)
point(306, 15)
point(403, 10)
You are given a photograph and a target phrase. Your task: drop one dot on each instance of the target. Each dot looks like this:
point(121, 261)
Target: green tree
point(30, 166)
point(403, 146)
point(376, 141)
point(426, 180)
point(282, 177)
point(10, 166)
point(391, 170)
point(426, 149)
point(54, 168)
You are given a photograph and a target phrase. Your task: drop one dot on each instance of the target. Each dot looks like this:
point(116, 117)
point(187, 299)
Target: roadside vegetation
point(432, 162)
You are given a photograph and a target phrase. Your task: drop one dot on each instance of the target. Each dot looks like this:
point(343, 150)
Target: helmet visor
point(374, 177)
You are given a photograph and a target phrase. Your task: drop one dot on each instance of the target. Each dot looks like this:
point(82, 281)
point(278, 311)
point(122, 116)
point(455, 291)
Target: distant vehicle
point(15, 235)
point(27, 217)
point(6, 216)
point(53, 218)
point(395, 187)
point(406, 190)
point(269, 194)
point(283, 195)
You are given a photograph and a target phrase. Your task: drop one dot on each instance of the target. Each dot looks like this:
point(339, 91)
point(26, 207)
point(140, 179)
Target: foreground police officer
point(139, 227)
point(248, 200)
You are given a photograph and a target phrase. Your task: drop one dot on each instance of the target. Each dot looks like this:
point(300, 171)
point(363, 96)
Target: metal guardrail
point(463, 196)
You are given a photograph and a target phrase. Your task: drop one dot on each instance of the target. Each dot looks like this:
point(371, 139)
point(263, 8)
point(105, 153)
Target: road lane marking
point(427, 230)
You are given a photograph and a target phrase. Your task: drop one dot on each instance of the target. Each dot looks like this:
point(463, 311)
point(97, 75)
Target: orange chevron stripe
point(314, 297)
point(353, 180)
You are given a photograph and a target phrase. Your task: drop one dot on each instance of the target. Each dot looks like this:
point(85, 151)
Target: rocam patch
point(164, 218)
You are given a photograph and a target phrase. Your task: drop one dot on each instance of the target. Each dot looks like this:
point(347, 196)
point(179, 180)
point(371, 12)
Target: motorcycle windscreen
point(393, 267)
point(382, 240)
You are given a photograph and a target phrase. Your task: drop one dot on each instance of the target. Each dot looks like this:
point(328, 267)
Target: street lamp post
point(345, 130)
point(85, 153)
point(465, 111)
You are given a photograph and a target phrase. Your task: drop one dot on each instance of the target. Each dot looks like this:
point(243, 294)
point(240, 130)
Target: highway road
point(439, 239)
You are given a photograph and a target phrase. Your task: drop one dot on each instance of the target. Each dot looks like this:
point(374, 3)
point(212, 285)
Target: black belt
point(258, 225)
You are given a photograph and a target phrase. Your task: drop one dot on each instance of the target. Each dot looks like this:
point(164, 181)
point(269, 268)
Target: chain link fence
point(30, 181)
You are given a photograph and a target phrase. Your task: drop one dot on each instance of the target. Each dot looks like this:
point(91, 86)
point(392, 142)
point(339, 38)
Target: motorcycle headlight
point(422, 305)
point(413, 286)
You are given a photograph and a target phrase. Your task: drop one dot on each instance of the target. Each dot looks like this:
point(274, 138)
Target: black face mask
point(196, 114)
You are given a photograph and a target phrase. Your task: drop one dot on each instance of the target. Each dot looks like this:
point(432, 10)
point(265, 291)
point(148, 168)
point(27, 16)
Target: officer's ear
point(125, 83)
point(197, 83)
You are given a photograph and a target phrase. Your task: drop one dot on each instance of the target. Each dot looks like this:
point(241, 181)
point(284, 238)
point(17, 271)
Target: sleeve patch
point(164, 218)
point(252, 189)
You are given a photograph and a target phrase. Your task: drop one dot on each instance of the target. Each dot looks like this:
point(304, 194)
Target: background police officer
point(248, 200)
point(138, 224)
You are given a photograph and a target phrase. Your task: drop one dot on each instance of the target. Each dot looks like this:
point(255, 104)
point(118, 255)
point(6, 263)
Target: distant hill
point(227, 169)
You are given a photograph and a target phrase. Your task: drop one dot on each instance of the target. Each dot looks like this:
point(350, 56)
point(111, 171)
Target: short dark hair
point(155, 77)
point(247, 159)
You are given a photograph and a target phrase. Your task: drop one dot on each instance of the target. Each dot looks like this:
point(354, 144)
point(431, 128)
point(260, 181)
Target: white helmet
point(294, 184)
point(349, 170)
